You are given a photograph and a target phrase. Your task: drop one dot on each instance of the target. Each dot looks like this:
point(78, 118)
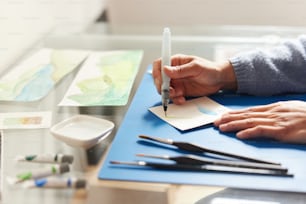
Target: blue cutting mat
point(138, 120)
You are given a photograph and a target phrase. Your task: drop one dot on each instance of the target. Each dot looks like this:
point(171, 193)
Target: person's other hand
point(194, 76)
point(283, 121)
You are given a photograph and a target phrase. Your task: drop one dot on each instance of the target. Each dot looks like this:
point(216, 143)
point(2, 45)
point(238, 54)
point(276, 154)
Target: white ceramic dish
point(82, 130)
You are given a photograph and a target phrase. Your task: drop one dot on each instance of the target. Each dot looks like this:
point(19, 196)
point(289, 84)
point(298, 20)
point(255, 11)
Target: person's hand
point(194, 76)
point(283, 121)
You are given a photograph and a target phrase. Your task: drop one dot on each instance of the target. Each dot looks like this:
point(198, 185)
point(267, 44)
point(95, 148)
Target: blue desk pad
point(139, 121)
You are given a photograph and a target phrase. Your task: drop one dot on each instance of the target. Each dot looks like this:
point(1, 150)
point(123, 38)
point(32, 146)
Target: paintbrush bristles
point(115, 162)
point(138, 163)
point(157, 139)
point(153, 156)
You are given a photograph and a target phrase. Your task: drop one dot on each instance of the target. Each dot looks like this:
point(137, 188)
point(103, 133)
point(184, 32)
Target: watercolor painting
point(33, 78)
point(106, 78)
point(192, 114)
point(25, 120)
point(22, 121)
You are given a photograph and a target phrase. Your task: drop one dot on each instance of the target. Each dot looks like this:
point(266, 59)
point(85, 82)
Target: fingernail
point(217, 122)
point(240, 135)
point(223, 127)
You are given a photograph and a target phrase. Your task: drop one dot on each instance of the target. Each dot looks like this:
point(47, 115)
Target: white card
point(192, 114)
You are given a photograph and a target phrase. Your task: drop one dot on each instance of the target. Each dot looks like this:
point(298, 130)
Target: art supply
point(138, 121)
point(25, 120)
point(47, 158)
point(193, 113)
point(197, 160)
point(35, 76)
point(56, 169)
point(199, 149)
point(166, 60)
point(82, 130)
point(203, 168)
point(105, 79)
point(55, 182)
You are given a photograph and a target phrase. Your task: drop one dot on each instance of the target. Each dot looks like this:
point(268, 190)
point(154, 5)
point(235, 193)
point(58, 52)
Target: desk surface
point(202, 41)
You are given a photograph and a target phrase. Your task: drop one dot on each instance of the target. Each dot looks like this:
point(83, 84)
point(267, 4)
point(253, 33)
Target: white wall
point(216, 12)
point(23, 22)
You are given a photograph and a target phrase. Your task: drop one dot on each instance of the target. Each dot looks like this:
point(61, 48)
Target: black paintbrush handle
point(214, 168)
point(195, 148)
point(196, 160)
point(204, 168)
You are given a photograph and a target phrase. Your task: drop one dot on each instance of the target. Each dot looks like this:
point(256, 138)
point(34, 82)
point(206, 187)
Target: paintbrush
point(196, 148)
point(203, 168)
point(197, 160)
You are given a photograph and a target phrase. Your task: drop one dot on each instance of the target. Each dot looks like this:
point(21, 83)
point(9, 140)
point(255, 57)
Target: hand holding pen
point(193, 76)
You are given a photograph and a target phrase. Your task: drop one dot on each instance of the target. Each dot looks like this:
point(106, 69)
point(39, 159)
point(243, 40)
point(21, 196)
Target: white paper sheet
point(192, 114)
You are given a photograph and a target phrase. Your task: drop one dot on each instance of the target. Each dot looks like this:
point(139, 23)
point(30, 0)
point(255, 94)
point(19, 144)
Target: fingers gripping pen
point(166, 60)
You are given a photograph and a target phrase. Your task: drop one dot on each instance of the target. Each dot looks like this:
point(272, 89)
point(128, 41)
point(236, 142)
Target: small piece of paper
point(192, 114)
point(25, 120)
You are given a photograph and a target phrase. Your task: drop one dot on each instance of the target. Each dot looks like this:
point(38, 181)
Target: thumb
point(181, 71)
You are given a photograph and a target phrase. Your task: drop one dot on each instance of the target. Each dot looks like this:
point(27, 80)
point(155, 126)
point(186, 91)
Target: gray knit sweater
point(279, 70)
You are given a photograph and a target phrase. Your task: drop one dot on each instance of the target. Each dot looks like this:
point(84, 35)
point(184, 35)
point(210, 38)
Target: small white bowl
point(82, 130)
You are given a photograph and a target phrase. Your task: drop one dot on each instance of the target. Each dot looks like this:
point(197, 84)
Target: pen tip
point(165, 110)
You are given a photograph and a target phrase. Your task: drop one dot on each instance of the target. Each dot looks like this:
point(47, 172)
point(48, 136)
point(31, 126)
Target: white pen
point(46, 158)
point(166, 60)
point(55, 182)
point(56, 169)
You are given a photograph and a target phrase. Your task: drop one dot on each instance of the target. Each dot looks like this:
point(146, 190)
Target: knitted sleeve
point(269, 72)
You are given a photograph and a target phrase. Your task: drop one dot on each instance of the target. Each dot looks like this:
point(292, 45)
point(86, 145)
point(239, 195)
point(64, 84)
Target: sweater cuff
point(244, 74)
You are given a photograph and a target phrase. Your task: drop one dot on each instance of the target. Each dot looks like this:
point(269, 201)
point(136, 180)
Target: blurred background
point(25, 22)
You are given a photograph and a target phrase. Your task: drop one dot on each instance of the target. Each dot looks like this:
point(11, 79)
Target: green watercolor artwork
point(105, 79)
point(34, 77)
